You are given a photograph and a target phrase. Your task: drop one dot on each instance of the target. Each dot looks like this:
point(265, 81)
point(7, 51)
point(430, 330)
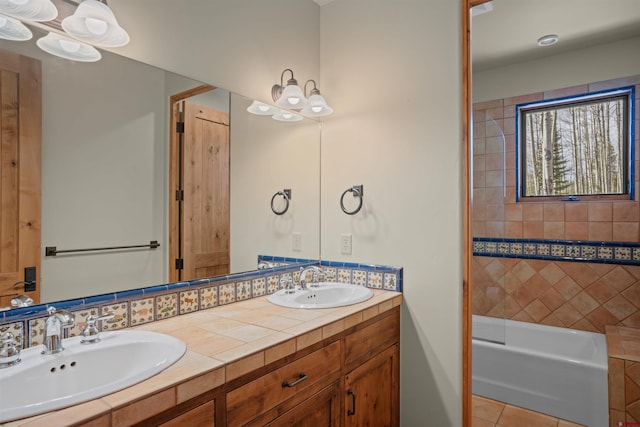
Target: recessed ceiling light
point(548, 40)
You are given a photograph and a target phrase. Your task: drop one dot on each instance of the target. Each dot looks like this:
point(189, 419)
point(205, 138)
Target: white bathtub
point(556, 371)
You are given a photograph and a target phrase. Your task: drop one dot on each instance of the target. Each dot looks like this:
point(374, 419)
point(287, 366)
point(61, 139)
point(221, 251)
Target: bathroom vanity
point(254, 363)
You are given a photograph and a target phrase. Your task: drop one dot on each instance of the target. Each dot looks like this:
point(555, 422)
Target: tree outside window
point(579, 146)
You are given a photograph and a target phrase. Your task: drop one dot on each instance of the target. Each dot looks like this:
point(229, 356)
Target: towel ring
point(286, 194)
point(358, 191)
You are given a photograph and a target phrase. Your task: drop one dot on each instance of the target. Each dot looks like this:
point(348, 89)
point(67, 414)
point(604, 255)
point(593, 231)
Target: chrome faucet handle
point(90, 333)
point(288, 283)
point(20, 301)
point(9, 351)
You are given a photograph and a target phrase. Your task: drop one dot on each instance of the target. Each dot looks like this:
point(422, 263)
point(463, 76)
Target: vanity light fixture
point(94, 22)
point(317, 105)
point(262, 109)
point(291, 96)
point(68, 48)
point(548, 40)
point(12, 29)
point(33, 10)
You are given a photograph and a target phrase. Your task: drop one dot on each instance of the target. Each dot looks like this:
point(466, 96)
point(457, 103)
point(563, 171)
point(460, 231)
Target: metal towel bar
point(53, 250)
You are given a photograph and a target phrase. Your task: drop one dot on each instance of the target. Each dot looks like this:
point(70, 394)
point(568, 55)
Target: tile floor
point(490, 413)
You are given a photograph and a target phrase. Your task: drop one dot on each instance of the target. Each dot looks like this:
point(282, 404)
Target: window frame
point(627, 92)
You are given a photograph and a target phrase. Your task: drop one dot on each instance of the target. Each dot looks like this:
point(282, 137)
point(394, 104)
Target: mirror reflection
point(106, 159)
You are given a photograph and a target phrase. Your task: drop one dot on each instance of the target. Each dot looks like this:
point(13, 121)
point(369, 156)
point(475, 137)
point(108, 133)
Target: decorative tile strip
point(627, 253)
point(140, 306)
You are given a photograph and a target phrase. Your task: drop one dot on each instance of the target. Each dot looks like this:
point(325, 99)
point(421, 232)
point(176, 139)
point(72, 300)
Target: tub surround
point(623, 346)
point(223, 344)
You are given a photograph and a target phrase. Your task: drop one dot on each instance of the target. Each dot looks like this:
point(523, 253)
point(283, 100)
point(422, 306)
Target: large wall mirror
point(105, 165)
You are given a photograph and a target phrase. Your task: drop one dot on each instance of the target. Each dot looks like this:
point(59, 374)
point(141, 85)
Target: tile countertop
point(223, 343)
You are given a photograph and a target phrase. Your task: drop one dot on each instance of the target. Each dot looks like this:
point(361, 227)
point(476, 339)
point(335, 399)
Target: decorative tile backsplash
point(140, 306)
point(627, 253)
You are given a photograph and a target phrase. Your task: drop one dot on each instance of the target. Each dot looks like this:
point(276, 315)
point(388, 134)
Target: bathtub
point(557, 371)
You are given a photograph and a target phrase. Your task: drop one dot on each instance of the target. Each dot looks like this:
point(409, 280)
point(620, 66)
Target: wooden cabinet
point(320, 410)
point(371, 392)
point(201, 416)
point(265, 398)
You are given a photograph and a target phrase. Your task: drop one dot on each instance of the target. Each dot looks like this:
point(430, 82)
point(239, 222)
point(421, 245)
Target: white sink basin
point(325, 295)
point(83, 372)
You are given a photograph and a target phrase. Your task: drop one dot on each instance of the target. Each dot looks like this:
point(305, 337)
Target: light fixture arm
point(276, 90)
point(314, 91)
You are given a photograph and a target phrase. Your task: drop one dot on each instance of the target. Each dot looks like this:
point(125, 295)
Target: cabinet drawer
point(364, 343)
point(298, 379)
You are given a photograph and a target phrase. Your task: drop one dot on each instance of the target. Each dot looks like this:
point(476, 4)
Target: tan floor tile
point(487, 409)
point(516, 417)
point(479, 422)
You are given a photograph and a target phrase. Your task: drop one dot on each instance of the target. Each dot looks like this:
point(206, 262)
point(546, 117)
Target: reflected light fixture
point(12, 29)
point(548, 40)
point(68, 48)
point(33, 10)
point(94, 22)
point(317, 105)
point(262, 109)
point(287, 116)
point(290, 97)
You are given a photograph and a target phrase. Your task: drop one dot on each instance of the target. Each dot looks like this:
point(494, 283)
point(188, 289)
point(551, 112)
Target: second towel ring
point(286, 195)
point(358, 191)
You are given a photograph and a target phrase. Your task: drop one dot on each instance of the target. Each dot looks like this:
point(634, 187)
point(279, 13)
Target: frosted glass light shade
point(94, 22)
point(317, 106)
point(287, 116)
point(262, 109)
point(33, 10)
point(67, 48)
point(292, 98)
point(12, 29)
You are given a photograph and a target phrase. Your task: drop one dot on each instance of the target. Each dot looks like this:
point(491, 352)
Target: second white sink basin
point(82, 372)
point(325, 295)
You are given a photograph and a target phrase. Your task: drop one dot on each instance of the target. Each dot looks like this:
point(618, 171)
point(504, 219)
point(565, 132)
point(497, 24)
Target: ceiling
point(508, 33)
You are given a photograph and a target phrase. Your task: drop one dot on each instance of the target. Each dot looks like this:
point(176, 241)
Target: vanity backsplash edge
point(145, 305)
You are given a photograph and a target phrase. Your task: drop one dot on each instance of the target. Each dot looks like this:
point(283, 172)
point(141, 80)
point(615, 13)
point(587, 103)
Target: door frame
point(467, 184)
point(175, 175)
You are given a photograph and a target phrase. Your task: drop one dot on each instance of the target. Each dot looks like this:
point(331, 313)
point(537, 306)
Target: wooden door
point(371, 392)
point(20, 160)
point(205, 223)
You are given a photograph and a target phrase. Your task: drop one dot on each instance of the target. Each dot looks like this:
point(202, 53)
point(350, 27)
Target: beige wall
point(392, 70)
point(581, 66)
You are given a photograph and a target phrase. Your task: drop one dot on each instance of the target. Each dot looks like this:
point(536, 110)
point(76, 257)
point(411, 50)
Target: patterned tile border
point(140, 306)
point(626, 253)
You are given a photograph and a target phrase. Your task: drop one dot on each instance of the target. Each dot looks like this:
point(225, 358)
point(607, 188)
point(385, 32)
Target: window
point(578, 146)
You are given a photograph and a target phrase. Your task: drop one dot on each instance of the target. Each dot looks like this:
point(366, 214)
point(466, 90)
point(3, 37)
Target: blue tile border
point(251, 284)
point(621, 253)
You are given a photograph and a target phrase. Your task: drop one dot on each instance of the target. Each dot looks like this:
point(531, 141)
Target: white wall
point(392, 72)
point(103, 150)
point(268, 156)
point(593, 64)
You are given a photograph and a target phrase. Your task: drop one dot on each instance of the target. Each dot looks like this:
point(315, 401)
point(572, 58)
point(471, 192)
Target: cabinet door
point(371, 392)
point(320, 410)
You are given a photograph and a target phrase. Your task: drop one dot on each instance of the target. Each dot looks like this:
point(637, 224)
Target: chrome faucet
point(303, 275)
point(56, 323)
point(90, 333)
point(9, 351)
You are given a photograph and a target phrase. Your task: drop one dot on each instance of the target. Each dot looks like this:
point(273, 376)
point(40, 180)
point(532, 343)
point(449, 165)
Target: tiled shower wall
point(563, 290)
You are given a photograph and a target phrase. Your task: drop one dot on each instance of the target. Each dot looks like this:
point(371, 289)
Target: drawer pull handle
point(301, 377)
point(353, 403)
